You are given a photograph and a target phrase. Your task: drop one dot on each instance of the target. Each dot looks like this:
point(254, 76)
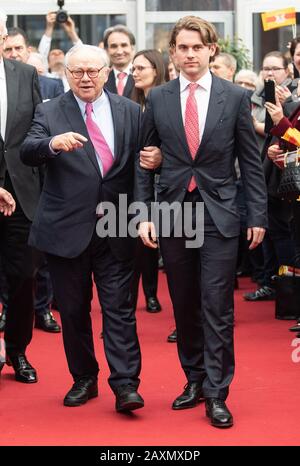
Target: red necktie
point(120, 87)
point(100, 145)
point(191, 126)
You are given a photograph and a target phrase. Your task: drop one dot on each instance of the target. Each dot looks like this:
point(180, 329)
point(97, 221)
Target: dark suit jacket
point(228, 133)
point(50, 87)
point(73, 185)
point(111, 85)
point(23, 94)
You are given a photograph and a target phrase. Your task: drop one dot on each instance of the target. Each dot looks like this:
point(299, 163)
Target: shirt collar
point(127, 70)
point(204, 82)
point(96, 104)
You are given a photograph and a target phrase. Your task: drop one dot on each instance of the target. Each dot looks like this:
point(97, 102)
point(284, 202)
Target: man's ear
point(106, 72)
point(213, 49)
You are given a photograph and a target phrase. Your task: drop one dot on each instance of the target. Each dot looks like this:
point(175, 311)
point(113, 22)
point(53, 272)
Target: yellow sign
point(278, 18)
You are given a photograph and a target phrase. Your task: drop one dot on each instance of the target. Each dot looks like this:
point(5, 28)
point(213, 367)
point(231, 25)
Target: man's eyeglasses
point(92, 73)
point(273, 68)
point(139, 68)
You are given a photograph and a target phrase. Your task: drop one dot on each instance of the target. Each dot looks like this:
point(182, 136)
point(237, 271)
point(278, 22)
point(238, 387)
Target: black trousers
point(71, 279)
point(145, 266)
point(201, 285)
point(43, 292)
point(18, 261)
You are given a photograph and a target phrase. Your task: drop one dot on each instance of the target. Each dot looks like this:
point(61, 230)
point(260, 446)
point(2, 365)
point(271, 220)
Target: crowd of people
point(72, 124)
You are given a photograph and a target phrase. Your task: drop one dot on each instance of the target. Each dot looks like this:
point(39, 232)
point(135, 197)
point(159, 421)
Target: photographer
point(45, 42)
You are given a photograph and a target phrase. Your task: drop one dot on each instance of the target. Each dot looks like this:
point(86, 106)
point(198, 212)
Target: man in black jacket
point(19, 91)
point(201, 123)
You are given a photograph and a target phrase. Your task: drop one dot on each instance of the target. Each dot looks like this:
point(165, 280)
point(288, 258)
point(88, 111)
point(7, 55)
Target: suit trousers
point(201, 285)
point(145, 266)
point(19, 268)
point(71, 279)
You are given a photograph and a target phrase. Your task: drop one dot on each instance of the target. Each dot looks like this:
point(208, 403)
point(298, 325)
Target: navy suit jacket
point(228, 134)
point(50, 87)
point(73, 186)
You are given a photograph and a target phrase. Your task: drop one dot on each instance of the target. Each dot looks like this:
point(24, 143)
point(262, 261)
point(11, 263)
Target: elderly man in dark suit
point(92, 161)
point(202, 123)
point(19, 95)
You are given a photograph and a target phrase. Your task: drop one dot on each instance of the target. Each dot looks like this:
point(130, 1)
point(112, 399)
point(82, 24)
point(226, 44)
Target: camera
point(61, 15)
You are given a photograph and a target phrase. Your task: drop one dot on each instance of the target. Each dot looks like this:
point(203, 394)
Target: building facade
point(151, 20)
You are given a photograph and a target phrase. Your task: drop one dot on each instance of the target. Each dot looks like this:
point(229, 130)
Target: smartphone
point(270, 91)
point(269, 97)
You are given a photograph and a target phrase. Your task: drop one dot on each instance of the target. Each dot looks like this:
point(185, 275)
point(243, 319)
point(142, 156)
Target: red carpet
point(264, 397)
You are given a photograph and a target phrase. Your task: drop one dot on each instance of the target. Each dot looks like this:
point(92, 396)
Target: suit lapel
point(73, 115)
point(111, 83)
point(12, 86)
point(215, 110)
point(118, 115)
point(129, 86)
point(173, 106)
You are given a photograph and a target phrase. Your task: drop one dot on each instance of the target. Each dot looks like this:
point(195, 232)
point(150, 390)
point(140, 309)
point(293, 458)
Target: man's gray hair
point(3, 19)
point(87, 48)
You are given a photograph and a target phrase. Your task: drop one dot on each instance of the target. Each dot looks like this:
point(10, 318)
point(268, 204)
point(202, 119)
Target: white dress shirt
point(202, 95)
point(127, 71)
point(3, 99)
point(102, 116)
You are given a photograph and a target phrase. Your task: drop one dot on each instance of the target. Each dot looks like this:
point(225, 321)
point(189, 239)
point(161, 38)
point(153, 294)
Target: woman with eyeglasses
point(148, 71)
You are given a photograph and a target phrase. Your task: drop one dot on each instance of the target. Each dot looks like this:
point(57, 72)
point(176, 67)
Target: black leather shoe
point(153, 305)
point(265, 293)
point(190, 397)
point(127, 398)
point(172, 338)
point(217, 411)
point(1, 365)
point(47, 322)
point(2, 321)
point(295, 328)
point(24, 372)
point(83, 390)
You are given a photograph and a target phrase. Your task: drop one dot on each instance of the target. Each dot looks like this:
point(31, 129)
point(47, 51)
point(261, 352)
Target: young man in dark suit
point(87, 140)
point(201, 123)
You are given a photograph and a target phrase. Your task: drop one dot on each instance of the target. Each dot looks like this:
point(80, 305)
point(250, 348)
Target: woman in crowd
point(148, 71)
point(295, 54)
point(275, 151)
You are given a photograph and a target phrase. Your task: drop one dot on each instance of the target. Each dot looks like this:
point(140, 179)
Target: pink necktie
point(191, 127)
point(120, 87)
point(100, 145)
